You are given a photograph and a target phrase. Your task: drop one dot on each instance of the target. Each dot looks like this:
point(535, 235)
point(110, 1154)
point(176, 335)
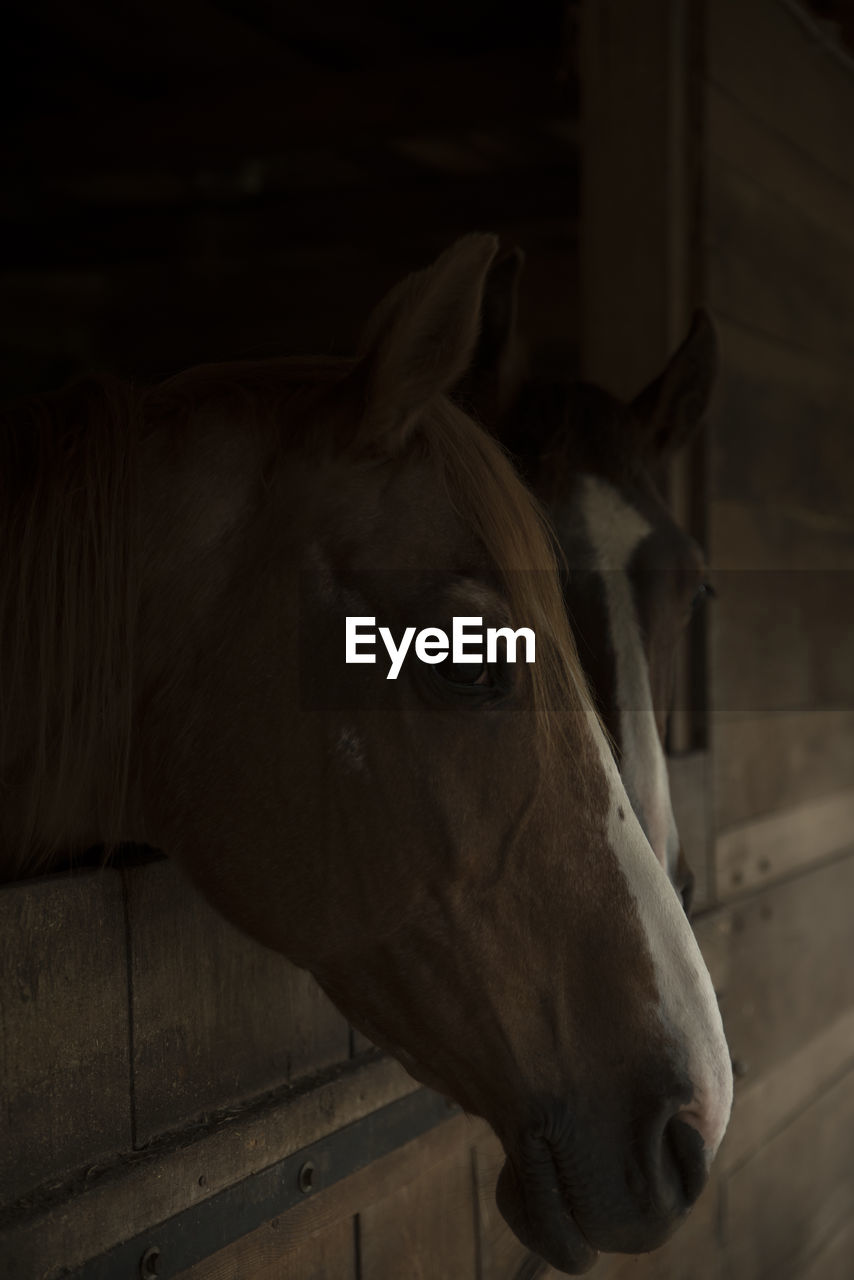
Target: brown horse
point(634, 577)
point(452, 853)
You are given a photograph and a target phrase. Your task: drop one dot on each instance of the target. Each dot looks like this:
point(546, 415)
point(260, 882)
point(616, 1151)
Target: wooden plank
point(795, 1193)
point(773, 267)
point(833, 1262)
point(425, 1228)
point(782, 963)
point(764, 764)
point(689, 791)
point(217, 1019)
point(306, 1223)
point(781, 641)
point(266, 1254)
point(130, 1196)
point(781, 426)
point(759, 150)
point(64, 1070)
point(780, 534)
point(762, 850)
point(796, 86)
point(765, 1104)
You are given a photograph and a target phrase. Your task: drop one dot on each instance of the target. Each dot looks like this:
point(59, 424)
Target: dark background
point(199, 180)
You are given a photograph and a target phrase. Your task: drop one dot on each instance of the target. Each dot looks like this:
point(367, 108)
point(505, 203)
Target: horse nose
point(678, 1161)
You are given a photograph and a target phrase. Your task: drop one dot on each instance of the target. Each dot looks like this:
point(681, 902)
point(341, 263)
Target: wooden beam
point(93, 1215)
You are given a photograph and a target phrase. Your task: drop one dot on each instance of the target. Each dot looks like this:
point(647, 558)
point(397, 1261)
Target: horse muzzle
point(570, 1198)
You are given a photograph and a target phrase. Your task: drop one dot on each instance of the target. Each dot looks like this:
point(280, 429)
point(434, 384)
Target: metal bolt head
point(148, 1263)
point(306, 1178)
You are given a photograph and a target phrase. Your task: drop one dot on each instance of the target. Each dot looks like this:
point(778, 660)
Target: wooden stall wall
point(253, 184)
point(758, 92)
point(780, 252)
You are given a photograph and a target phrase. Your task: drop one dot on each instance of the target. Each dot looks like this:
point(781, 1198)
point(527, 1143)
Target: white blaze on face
point(614, 530)
point(688, 1007)
point(687, 1004)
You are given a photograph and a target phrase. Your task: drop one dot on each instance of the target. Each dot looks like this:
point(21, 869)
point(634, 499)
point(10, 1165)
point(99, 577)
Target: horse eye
point(470, 674)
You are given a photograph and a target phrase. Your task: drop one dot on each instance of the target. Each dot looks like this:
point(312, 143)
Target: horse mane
point(69, 574)
point(67, 607)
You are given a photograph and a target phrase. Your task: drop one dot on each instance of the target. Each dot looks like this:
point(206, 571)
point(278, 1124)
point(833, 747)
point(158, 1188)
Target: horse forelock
point(515, 532)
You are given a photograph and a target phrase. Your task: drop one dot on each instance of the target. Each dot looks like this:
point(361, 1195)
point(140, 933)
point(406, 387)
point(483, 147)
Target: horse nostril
point(685, 1158)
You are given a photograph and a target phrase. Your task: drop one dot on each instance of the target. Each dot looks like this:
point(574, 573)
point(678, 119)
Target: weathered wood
point(266, 1254)
point(781, 641)
point(758, 149)
point(217, 1019)
point(759, 54)
point(779, 215)
point(791, 1198)
point(765, 1103)
point(689, 791)
point(64, 1070)
point(782, 962)
point(762, 850)
point(833, 1261)
point(781, 426)
point(776, 268)
point(780, 534)
point(132, 1196)
point(309, 1222)
point(425, 1228)
point(765, 764)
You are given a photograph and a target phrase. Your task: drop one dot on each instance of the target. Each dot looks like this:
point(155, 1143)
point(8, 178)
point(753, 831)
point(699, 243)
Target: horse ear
point(420, 340)
point(490, 382)
point(671, 408)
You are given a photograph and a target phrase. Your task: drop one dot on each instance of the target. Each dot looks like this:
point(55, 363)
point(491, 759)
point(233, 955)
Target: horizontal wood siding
point(64, 1032)
point(415, 1217)
point(217, 1019)
point(132, 1193)
point(779, 233)
point(796, 1192)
